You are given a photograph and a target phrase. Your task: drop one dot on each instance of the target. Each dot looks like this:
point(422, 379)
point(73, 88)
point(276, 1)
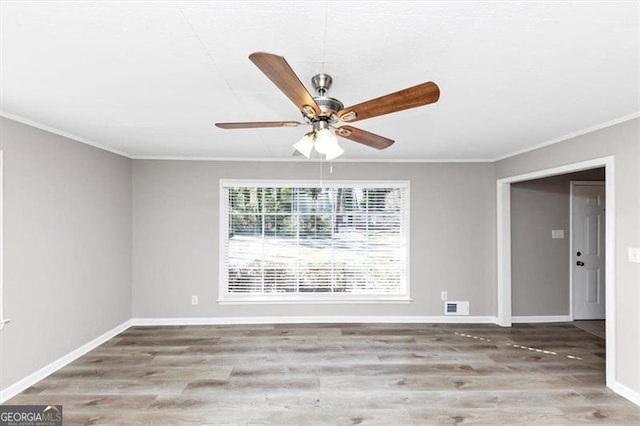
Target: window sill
point(306, 301)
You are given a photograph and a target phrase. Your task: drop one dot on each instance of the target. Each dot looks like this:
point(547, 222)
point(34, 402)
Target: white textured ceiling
point(150, 78)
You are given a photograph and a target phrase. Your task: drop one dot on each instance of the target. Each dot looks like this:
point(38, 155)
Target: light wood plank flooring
point(339, 374)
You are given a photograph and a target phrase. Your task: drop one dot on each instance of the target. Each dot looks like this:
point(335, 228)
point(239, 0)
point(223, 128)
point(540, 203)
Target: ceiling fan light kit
point(305, 145)
point(334, 152)
point(323, 141)
point(324, 113)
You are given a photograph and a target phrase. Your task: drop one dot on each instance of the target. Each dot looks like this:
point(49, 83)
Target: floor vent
point(456, 308)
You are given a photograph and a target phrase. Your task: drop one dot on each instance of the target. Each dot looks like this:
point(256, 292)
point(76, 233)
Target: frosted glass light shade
point(325, 141)
point(334, 151)
point(305, 145)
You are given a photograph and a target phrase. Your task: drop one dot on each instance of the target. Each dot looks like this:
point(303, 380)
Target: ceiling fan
point(324, 113)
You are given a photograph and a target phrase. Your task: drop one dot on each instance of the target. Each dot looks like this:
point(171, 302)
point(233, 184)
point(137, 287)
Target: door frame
point(573, 185)
point(503, 216)
point(3, 321)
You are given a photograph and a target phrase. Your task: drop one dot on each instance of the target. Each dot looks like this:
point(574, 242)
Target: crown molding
point(86, 141)
point(296, 160)
point(572, 135)
point(62, 133)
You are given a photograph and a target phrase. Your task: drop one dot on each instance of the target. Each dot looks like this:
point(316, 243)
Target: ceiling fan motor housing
point(328, 106)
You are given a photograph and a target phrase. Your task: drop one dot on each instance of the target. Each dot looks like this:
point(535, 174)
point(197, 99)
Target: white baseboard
point(542, 318)
point(313, 320)
point(624, 391)
point(11, 391)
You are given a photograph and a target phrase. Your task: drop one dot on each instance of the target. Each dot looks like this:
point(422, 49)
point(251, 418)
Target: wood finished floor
point(595, 327)
point(339, 374)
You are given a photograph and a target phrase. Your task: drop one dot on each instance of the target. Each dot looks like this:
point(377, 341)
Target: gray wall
point(67, 247)
point(175, 239)
point(70, 252)
point(540, 264)
point(623, 142)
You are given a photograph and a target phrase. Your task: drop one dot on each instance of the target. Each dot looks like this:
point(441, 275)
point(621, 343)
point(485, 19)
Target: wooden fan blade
point(280, 73)
point(422, 94)
point(363, 137)
point(256, 124)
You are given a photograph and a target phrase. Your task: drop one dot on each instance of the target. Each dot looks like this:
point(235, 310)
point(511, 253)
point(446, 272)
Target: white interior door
point(588, 243)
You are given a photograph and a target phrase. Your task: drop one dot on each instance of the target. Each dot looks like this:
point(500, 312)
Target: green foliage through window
point(300, 240)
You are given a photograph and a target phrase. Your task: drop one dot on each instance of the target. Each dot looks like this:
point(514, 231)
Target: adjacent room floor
point(595, 327)
point(348, 374)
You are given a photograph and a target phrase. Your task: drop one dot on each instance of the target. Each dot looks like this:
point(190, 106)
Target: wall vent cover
point(456, 308)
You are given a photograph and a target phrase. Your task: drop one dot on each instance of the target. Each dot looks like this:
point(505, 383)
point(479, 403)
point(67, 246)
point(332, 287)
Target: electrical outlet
point(443, 296)
point(194, 300)
point(634, 255)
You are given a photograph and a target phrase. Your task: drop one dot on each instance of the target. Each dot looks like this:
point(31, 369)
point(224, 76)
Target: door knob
point(580, 263)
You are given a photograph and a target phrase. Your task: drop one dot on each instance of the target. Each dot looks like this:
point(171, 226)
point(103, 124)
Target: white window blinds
point(342, 240)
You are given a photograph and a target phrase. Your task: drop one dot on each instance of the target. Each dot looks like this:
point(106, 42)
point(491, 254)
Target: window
point(285, 241)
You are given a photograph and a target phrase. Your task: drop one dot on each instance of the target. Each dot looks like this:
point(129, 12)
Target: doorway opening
point(504, 248)
point(557, 248)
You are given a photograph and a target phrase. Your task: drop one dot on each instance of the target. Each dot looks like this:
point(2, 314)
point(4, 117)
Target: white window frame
point(310, 298)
